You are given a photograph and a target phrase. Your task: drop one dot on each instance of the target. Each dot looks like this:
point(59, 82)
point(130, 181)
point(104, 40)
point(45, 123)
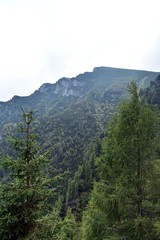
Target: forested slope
point(71, 121)
point(72, 113)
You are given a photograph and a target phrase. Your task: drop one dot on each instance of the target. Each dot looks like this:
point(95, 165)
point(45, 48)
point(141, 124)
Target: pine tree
point(124, 204)
point(23, 194)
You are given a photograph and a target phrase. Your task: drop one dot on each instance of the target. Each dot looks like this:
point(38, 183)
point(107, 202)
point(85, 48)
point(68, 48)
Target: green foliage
point(24, 193)
point(124, 199)
point(67, 126)
point(94, 218)
point(69, 229)
point(71, 132)
point(80, 186)
point(52, 227)
point(48, 227)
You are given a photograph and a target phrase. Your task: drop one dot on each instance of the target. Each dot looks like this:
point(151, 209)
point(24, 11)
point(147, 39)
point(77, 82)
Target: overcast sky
point(44, 40)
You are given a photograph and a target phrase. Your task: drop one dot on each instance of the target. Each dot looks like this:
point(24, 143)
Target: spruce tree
point(124, 203)
point(24, 192)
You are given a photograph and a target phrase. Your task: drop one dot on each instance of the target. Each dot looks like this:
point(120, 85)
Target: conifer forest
point(80, 159)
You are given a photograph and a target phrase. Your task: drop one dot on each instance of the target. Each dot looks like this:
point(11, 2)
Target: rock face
point(103, 78)
point(102, 85)
point(68, 87)
point(45, 87)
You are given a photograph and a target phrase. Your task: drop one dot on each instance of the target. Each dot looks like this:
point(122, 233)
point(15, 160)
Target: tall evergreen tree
point(23, 194)
point(69, 229)
point(125, 204)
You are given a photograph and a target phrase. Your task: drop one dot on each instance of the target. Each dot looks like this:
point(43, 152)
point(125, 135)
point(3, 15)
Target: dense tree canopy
point(24, 191)
point(119, 172)
point(125, 202)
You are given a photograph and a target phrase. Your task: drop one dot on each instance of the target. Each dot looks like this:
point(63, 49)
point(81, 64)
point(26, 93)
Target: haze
point(44, 40)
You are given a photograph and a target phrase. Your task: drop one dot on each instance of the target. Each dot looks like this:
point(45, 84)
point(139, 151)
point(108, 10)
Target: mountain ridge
point(64, 85)
point(73, 112)
point(98, 71)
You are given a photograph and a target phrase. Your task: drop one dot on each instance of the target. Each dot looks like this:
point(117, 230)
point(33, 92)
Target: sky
point(44, 40)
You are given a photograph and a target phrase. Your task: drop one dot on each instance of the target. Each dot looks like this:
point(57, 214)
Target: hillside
point(73, 112)
point(152, 92)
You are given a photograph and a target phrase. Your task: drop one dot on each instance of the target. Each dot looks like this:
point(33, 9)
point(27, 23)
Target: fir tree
point(23, 194)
